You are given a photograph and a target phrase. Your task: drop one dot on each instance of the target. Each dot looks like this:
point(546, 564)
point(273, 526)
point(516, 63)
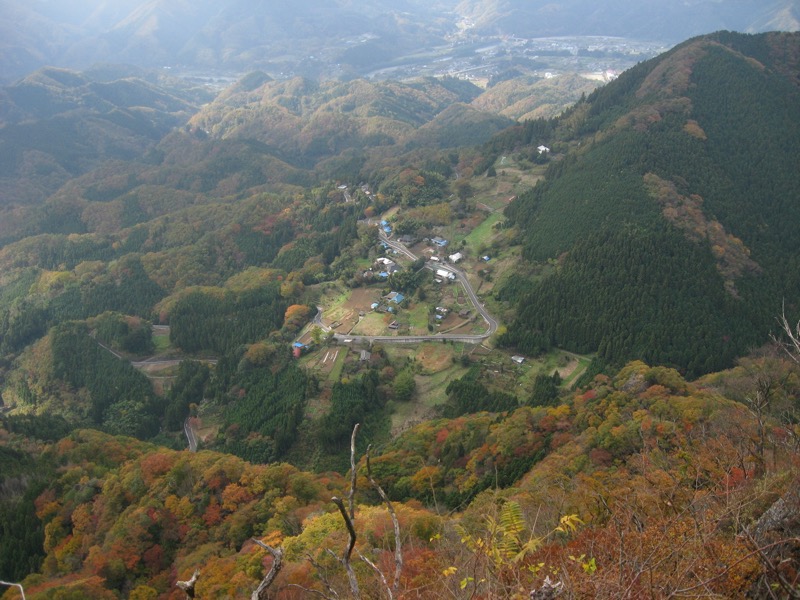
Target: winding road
point(460, 276)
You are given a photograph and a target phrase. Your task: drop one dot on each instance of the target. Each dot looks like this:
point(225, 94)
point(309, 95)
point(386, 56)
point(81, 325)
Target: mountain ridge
point(659, 133)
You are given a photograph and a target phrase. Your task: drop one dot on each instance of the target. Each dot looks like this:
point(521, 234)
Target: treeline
point(633, 292)
point(187, 389)
point(264, 413)
point(468, 395)
point(263, 393)
point(121, 399)
point(415, 187)
point(24, 319)
point(22, 478)
point(202, 322)
point(352, 401)
point(121, 333)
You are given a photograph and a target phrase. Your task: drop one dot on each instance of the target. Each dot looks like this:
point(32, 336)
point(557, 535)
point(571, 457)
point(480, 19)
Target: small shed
point(395, 297)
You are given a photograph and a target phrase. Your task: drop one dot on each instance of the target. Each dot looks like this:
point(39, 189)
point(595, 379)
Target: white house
point(454, 258)
point(543, 149)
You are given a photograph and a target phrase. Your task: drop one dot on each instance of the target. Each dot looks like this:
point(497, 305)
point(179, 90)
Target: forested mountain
point(57, 124)
point(674, 214)
point(527, 97)
point(308, 122)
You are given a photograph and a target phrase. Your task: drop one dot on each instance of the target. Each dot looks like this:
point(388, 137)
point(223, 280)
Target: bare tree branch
point(16, 585)
point(323, 576)
point(188, 586)
point(790, 345)
point(380, 574)
point(728, 568)
point(345, 559)
point(351, 496)
point(310, 591)
point(398, 548)
point(260, 593)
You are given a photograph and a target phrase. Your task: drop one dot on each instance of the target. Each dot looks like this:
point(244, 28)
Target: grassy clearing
point(333, 297)
point(570, 366)
point(435, 357)
point(338, 365)
point(480, 236)
point(371, 324)
point(430, 394)
point(418, 319)
point(581, 364)
point(161, 342)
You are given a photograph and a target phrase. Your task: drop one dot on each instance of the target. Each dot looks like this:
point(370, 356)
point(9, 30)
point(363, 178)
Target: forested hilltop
point(673, 213)
point(365, 339)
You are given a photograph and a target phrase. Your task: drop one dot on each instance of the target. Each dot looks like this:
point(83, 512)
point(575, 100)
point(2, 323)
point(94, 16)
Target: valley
point(474, 333)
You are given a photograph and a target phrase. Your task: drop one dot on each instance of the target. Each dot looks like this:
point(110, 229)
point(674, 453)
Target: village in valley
point(421, 301)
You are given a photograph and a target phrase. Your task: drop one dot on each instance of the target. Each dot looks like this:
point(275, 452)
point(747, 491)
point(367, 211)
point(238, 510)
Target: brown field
point(205, 430)
point(434, 357)
point(481, 350)
point(346, 316)
point(374, 324)
point(324, 359)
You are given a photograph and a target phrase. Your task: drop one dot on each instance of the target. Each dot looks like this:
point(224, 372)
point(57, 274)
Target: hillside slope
point(587, 490)
point(309, 121)
point(57, 124)
point(676, 208)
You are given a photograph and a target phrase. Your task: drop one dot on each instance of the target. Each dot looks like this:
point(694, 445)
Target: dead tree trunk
point(188, 586)
point(398, 548)
point(345, 559)
point(260, 593)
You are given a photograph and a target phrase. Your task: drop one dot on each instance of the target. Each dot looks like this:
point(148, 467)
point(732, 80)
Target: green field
point(336, 372)
point(161, 342)
point(482, 233)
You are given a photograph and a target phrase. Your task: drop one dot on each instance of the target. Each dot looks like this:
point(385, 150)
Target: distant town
point(484, 60)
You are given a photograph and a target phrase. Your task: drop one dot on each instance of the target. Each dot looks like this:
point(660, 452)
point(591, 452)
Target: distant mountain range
point(309, 36)
point(58, 124)
point(666, 20)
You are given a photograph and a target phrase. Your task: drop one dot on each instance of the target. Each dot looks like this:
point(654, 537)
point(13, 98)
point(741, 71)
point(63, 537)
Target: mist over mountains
point(333, 38)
